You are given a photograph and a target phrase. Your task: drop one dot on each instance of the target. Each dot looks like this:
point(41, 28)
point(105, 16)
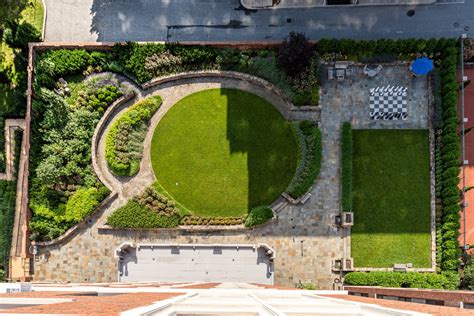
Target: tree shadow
point(256, 128)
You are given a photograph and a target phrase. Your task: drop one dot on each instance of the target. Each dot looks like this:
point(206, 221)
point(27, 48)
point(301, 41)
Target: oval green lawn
point(221, 152)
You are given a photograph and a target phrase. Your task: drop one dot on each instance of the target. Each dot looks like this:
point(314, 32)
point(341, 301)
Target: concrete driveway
point(223, 20)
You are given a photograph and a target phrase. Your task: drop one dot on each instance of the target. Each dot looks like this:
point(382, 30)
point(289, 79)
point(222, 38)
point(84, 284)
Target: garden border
point(104, 121)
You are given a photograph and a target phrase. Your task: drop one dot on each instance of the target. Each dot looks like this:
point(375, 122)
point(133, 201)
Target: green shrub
point(18, 36)
point(267, 68)
point(346, 167)
point(145, 61)
point(83, 202)
point(98, 100)
point(448, 147)
point(309, 163)
point(403, 280)
point(306, 84)
point(306, 286)
point(53, 64)
point(156, 202)
point(122, 145)
point(134, 215)
point(258, 215)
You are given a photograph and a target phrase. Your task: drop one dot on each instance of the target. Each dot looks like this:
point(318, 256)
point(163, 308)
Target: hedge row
point(383, 46)
point(135, 215)
point(450, 153)
point(123, 149)
point(346, 166)
point(309, 165)
point(212, 220)
point(258, 215)
point(448, 281)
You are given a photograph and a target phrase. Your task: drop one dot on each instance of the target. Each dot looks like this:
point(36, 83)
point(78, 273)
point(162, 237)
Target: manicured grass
point(391, 198)
point(221, 152)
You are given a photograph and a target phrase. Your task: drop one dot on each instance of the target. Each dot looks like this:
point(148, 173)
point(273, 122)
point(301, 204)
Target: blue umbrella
point(421, 66)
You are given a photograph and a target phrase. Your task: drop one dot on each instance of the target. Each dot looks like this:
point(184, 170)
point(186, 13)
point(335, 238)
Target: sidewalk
point(294, 4)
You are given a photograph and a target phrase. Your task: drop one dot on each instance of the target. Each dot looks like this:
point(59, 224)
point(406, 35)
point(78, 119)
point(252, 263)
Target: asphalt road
point(225, 20)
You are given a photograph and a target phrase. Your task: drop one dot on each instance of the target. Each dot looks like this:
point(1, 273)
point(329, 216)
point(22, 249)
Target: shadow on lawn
point(270, 161)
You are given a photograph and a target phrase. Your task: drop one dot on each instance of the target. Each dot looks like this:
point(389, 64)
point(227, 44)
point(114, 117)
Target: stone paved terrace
point(350, 98)
point(303, 236)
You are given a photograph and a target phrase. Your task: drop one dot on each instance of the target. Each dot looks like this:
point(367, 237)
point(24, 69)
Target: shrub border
point(346, 167)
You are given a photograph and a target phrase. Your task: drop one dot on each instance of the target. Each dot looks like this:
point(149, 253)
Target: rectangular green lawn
point(391, 198)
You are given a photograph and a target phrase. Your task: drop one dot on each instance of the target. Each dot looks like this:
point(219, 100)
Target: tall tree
point(10, 10)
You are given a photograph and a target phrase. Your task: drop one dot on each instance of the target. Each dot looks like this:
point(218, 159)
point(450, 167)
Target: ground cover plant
point(391, 198)
point(309, 164)
point(124, 139)
point(236, 152)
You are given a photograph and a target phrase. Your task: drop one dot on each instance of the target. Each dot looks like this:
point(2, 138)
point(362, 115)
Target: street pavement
point(227, 20)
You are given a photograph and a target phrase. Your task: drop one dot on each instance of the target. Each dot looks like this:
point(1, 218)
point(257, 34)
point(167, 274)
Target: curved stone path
point(303, 236)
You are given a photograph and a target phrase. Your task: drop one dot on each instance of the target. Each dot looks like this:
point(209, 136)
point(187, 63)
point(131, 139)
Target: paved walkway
point(228, 20)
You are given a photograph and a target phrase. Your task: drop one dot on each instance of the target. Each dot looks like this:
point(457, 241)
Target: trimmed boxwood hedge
point(309, 165)
point(135, 215)
point(448, 232)
point(120, 158)
point(258, 215)
point(346, 166)
point(448, 281)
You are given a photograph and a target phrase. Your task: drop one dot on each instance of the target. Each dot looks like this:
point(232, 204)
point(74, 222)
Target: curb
point(44, 19)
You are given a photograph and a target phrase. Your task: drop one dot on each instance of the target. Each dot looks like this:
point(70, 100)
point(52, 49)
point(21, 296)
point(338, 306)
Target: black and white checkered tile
point(388, 103)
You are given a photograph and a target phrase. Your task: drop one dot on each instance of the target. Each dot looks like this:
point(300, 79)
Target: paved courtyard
point(304, 237)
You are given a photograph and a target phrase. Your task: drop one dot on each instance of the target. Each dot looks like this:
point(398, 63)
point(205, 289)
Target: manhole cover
point(410, 13)
point(456, 24)
point(467, 28)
